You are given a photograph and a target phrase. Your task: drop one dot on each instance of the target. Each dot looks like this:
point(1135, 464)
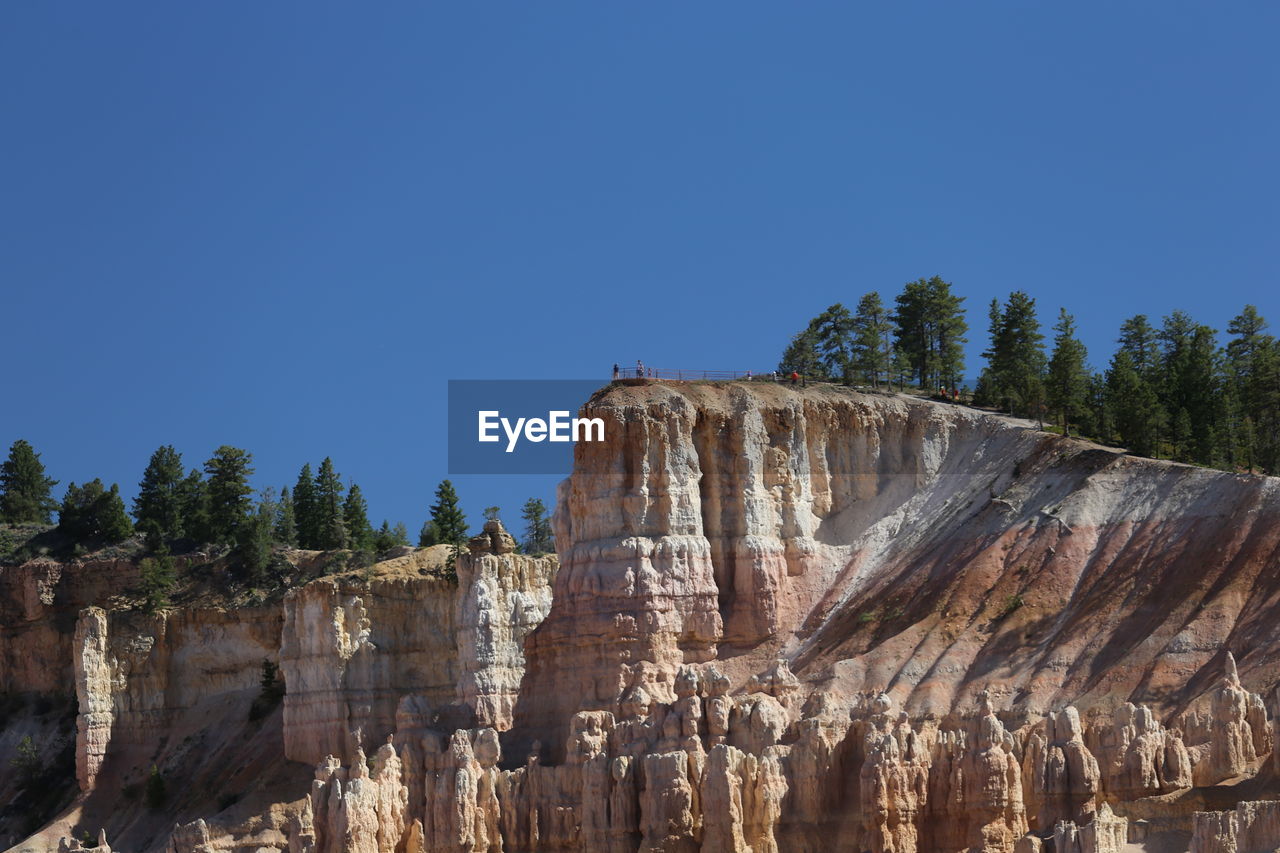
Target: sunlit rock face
point(1049, 619)
point(360, 659)
point(782, 619)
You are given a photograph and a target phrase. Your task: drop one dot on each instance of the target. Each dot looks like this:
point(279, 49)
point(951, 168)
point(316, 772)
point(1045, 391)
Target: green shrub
point(271, 693)
point(1011, 604)
point(158, 580)
point(28, 766)
point(156, 794)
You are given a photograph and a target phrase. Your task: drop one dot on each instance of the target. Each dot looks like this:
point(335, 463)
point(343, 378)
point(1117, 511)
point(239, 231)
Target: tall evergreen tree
point(193, 501)
point(1068, 378)
point(1139, 419)
point(305, 509)
point(447, 526)
point(988, 391)
point(1190, 388)
point(801, 356)
point(285, 527)
point(93, 513)
point(1231, 451)
point(158, 506)
point(399, 534)
point(229, 496)
point(1098, 420)
point(1017, 360)
point(355, 514)
point(331, 530)
point(382, 538)
point(872, 339)
point(1264, 408)
point(1253, 363)
point(930, 330)
point(253, 545)
point(1139, 339)
point(833, 330)
point(158, 577)
point(537, 530)
point(25, 491)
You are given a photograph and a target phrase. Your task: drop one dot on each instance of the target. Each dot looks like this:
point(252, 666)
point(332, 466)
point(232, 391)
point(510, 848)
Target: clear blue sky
point(284, 226)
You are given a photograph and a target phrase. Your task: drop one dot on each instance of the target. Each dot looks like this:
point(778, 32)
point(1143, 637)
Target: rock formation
point(1065, 778)
point(783, 619)
point(356, 655)
point(94, 686)
point(1253, 827)
point(1104, 833)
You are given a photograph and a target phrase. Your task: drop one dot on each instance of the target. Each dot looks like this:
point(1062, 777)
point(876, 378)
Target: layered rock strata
point(802, 620)
point(425, 650)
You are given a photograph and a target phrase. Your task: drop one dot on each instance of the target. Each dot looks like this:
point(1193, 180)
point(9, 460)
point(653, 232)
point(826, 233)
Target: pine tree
point(537, 531)
point(76, 515)
point(1068, 379)
point(989, 391)
point(305, 509)
point(113, 519)
point(399, 534)
point(1138, 339)
point(833, 332)
point(428, 535)
point(872, 339)
point(331, 531)
point(1265, 408)
point(382, 538)
point(951, 329)
point(158, 579)
point(1098, 420)
point(1230, 449)
point(801, 356)
point(448, 526)
point(93, 513)
point(1253, 367)
point(158, 506)
point(491, 513)
point(1016, 361)
point(1138, 416)
point(27, 765)
point(193, 500)
point(388, 537)
point(355, 514)
point(285, 528)
point(253, 546)
point(1181, 435)
point(25, 491)
point(1190, 374)
point(930, 331)
point(229, 496)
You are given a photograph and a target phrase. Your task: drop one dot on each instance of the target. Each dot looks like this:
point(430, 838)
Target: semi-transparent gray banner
point(518, 426)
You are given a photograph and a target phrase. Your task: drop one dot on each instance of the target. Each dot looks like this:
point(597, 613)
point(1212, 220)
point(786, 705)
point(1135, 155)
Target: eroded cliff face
point(790, 620)
point(362, 655)
point(819, 620)
point(360, 660)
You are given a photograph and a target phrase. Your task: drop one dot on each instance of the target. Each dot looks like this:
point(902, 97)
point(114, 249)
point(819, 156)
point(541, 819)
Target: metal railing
point(689, 375)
